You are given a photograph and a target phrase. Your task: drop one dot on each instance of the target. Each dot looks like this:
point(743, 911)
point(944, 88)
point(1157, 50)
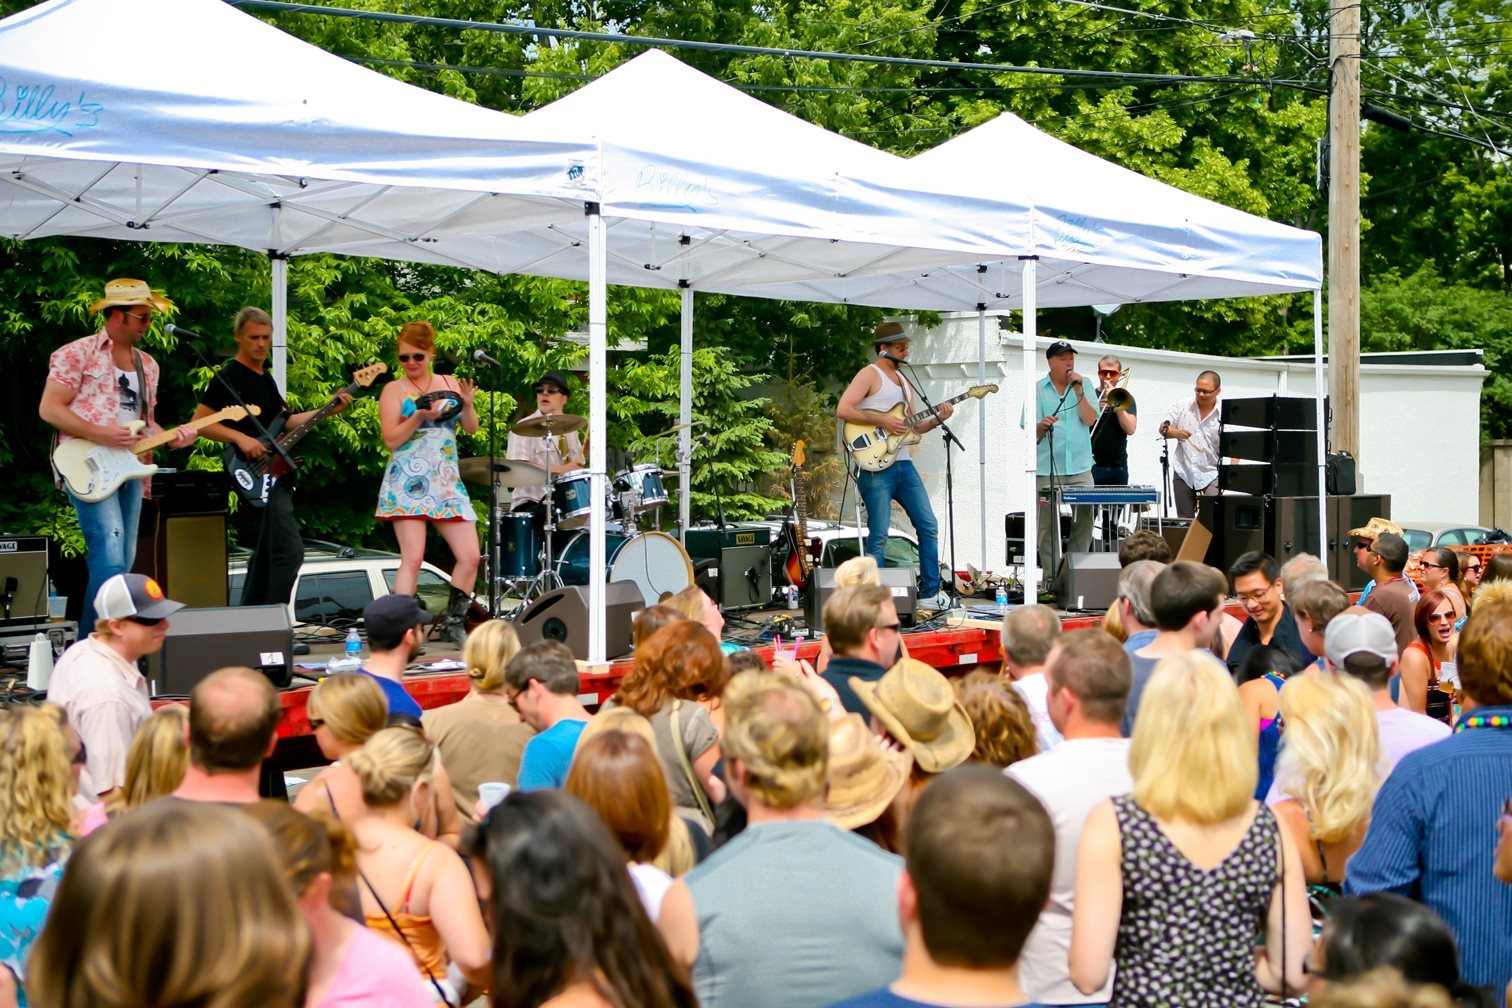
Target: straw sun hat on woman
point(917, 706)
point(863, 777)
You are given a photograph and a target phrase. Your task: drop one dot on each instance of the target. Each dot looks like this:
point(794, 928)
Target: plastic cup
point(490, 793)
point(57, 608)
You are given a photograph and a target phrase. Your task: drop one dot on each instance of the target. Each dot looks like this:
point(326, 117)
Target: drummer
point(559, 454)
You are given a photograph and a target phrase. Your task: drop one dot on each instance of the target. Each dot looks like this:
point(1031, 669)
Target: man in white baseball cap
point(1363, 644)
point(97, 682)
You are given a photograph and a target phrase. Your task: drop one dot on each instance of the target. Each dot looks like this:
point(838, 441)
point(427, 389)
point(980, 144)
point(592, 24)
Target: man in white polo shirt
point(98, 684)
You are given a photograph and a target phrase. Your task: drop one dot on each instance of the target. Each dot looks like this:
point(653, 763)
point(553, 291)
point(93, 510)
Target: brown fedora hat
point(916, 705)
point(888, 332)
point(863, 777)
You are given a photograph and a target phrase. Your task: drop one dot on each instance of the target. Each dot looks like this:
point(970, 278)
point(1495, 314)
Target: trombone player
point(1117, 417)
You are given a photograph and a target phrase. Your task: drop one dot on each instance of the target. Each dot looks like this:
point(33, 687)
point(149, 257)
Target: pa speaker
point(899, 580)
point(200, 641)
point(1090, 581)
point(562, 615)
point(186, 554)
point(23, 579)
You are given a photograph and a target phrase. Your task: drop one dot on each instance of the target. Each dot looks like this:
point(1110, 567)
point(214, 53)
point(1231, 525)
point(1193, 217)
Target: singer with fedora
point(1064, 455)
point(95, 387)
point(422, 484)
point(244, 380)
point(879, 387)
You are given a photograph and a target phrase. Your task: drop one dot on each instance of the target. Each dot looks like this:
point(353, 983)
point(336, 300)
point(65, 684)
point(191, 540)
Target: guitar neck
point(934, 410)
point(294, 436)
point(156, 441)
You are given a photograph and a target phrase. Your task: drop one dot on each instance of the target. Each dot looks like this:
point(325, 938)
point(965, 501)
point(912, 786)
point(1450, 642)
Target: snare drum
point(655, 561)
point(648, 480)
point(572, 497)
point(519, 545)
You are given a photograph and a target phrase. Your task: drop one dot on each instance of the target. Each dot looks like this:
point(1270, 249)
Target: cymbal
point(510, 473)
point(550, 425)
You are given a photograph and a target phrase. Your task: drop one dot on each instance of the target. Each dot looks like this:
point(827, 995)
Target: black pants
point(274, 566)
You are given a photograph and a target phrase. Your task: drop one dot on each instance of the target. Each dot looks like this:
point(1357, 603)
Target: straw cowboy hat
point(130, 292)
point(863, 777)
point(1373, 529)
point(916, 705)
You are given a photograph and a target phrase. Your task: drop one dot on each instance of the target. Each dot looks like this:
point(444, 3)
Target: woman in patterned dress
point(422, 484)
point(1177, 881)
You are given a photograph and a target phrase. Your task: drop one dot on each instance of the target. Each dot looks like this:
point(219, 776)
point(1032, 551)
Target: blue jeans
point(110, 540)
point(900, 482)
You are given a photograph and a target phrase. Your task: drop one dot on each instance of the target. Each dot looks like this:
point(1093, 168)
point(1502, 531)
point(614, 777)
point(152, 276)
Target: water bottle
point(352, 659)
point(1002, 599)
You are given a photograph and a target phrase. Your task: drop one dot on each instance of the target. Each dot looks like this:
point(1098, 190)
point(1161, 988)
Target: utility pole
point(1344, 223)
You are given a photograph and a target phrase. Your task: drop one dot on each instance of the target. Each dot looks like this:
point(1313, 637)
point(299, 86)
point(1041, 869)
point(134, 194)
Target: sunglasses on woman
point(405, 358)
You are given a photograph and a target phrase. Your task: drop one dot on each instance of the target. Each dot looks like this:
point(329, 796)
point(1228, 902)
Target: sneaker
point(937, 601)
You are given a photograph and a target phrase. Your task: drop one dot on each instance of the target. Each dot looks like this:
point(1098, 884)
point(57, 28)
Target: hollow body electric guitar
point(874, 449)
point(254, 479)
point(94, 472)
point(795, 533)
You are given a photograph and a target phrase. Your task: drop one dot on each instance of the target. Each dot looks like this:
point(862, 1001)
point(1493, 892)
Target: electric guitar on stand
point(795, 533)
point(874, 449)
point(93, 471)
point(254, 479)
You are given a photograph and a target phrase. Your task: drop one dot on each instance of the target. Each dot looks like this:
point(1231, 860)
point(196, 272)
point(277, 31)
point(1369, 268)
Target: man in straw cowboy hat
point(916, 706)
point(980, 850)
point(793, 912)
point(1362, 539)
point(95, 386)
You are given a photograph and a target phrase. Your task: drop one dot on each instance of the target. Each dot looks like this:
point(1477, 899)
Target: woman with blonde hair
point(481, 737)
point(40, 760)
point(1175, 880)
point(155, 766)
point(616, 773)
point(178, 903)
point(350, 965)
point(678, 670)
point(345, 710)
point(414, 890)
point(422, 485)
point(1328, 771)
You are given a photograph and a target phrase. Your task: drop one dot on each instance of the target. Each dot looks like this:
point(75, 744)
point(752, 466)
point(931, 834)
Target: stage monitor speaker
point(901, 581)
point(562, 615)
point(745, 577)
point(186, 553)
point(200, 641)
point(23, 579)
point(1089, 581)
point(1172, 530)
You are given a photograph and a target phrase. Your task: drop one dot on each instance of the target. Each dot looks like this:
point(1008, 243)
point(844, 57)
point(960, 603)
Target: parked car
point(1421, 535)
point(830, 544)
point(337, 582)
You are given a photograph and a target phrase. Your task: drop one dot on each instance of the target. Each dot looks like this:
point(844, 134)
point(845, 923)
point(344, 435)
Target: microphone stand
point(949, 473)
point(1165, 481)
point(494, 596)
point(266, 432)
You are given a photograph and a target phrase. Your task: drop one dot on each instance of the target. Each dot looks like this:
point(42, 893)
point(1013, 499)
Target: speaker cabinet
point(562, 615)
point(1090, 582)
point(745, 577)
point(200, 641)
point(1276, 412)
point(1013, 532)
point(899, 580)
point(181, 541)
point(23, 579)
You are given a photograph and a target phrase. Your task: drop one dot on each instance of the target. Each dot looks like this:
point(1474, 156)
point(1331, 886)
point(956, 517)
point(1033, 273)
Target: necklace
point(430, 380)
point(1483, 721)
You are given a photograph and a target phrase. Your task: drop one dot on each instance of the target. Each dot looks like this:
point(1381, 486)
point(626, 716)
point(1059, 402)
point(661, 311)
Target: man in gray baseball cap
point(1362, 643)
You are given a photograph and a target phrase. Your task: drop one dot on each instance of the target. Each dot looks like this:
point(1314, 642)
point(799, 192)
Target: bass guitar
point(795, 533)
point(254, 479)
point(93, 471)
point(874, 449)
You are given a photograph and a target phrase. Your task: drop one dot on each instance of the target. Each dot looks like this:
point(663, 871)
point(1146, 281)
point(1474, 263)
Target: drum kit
point(532, 557)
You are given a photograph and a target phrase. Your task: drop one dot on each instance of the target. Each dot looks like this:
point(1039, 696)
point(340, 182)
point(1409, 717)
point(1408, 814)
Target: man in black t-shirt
point(279, 552)
point(1110, 434)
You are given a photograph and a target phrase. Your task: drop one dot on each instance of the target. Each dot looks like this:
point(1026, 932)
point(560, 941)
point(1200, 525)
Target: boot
point(452, 626)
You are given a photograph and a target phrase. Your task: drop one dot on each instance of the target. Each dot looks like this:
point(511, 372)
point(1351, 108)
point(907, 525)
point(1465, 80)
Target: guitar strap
point(144, 408)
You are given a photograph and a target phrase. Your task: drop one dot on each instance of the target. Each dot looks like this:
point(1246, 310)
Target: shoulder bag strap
point(440, 991)
point(699, 795)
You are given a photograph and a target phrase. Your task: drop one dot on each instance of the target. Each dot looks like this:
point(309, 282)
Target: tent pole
point(685, 417)
point(280, 312)
point(598, 428)
point(982, 439)
point(1320, 389)
point(1031, 447)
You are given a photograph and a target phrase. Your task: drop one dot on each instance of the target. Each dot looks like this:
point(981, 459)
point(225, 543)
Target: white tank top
point(885, 398)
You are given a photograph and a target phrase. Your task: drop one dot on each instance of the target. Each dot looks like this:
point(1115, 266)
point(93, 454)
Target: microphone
point(887, 356)
point(481, 356)
point(181, 332)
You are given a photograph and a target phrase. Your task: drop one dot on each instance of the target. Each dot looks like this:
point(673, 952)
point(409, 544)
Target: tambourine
point(450, 402)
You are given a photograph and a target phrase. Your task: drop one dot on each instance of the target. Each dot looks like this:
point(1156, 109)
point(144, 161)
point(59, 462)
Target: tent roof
point(188, 120)
point(1103, 234)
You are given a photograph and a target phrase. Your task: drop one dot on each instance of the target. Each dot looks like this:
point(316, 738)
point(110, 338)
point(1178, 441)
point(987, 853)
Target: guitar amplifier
point(23, 579)
point(706, 542)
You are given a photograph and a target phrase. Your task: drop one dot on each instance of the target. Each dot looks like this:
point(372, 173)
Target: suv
point(337, 582)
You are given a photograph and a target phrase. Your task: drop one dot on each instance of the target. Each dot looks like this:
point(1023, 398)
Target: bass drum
point(655, 561)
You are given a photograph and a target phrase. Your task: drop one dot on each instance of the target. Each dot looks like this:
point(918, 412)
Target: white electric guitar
point(93, 471)
point(873, 448)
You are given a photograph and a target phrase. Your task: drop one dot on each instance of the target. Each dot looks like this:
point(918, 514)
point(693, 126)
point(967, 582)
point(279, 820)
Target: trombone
point(1117, 396)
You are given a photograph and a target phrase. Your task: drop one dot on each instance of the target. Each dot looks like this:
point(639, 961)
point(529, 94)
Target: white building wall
point(1420, 426)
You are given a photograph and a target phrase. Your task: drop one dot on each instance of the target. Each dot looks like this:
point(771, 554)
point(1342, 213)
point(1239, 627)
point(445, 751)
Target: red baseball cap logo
point(152, 588)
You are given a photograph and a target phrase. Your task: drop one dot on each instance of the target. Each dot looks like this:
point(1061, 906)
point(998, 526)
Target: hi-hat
point(549, 425)
point(510, 473)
